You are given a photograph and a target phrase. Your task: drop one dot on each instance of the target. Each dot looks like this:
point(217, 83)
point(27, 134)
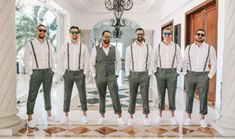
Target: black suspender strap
point(159, 55)
point(80, 51)
point(189, 57)
point(68, 55)
point(34, 54)
point(207, 58)
point(48, 55)
point(147, 56)
point(174, 57)
point(132, 58)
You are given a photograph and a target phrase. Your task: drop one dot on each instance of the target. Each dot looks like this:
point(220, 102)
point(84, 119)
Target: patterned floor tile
point(105, 130)
point(157, 131)
point(130, 130)
point(80, 130)
point(54, 130)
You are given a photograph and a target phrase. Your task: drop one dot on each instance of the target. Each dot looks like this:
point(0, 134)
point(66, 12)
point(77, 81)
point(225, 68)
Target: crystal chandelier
point(118, 7)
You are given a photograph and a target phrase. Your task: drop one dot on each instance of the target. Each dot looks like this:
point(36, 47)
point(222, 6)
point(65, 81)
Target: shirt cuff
point(93, 75)
point(210, 75)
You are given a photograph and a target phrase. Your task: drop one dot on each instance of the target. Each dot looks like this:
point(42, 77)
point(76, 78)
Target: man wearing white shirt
point(39, 62)
point(105, 66)
point(197, 58)
point(138, 71)
point(167, 66)
point(75, 66)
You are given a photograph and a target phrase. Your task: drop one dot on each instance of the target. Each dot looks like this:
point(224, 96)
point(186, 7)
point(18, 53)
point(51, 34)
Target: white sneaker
point(84, 119)
point(187, 121)
point(100, 121)
point(120, 121)
point(52, 118)
point(65, 120)
point(130, 121)
point(158, 120)
point(174, 121)
point(203, 123)
point(31, 124)
point(147, 122)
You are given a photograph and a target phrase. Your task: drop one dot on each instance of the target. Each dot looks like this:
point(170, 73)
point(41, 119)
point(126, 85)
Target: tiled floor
point(110, 129)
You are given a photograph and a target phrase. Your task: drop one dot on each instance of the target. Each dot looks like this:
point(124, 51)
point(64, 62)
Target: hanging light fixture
point(118, 7)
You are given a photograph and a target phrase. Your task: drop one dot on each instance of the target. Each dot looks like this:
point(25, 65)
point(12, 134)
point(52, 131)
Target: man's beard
point(106, 41)
point(140, 39)
point(41, 36)
point(200, 40)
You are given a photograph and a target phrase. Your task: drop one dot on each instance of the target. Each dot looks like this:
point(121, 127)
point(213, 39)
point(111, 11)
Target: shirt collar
point(135, 44)
point(171, 43)
point(203, 44)
point(105, 48)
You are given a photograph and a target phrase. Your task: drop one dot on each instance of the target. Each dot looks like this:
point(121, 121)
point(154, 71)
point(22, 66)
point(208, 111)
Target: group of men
point(141, 61)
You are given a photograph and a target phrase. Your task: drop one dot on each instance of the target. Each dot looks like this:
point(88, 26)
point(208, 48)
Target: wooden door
point(204, 16)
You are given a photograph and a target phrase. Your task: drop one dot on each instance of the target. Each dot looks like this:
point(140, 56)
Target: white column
point(226, 123)
point(8, 108)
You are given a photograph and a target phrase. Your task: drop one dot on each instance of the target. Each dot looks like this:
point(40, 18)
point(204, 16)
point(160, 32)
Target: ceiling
point(96, 6)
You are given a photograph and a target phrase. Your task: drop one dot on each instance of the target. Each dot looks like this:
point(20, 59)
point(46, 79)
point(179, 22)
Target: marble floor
point(109, 129)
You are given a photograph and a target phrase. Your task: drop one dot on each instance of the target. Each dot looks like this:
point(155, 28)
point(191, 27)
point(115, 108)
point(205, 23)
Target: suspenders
point(80, 51)
point(132, 58)
point(35, 57)
point(204, 68)
point(159, 56)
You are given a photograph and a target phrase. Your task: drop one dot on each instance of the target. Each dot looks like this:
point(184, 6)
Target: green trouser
point(137, 79)
point(79, 78)
point(166, 79)
point(102, 81)
point(201, 80)
point(38, 77)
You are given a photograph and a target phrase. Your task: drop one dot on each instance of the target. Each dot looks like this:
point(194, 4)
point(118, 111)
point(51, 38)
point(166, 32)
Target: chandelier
point(118, 7)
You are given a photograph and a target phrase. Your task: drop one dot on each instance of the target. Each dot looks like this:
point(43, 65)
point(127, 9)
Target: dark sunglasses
point(42, 30)
point(167, 33)
point(199, 34)
point(74, 32)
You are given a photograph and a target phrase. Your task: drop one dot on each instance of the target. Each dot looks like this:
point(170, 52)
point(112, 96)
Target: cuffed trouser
point(166, 79)
point(201, 80)
point(102, 81)
point(79, 78)
point(38, 77)
point(137, 79)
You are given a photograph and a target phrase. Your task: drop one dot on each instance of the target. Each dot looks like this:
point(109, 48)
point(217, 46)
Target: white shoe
point(84, 119)
point(173, 121)
point(130, 121)
point(147, 122)
point(100, 121)
point(158, 120)
point(120, 121)
point(31, 124)
point(187, 121)
point(203, 123)
point(52, 118)
point(65, 120)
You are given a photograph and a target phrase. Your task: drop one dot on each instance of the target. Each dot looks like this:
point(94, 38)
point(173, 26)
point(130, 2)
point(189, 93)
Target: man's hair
point(168, 28)
point(41, 25)
point(139, 29)
point(200, 29)
point(105, 31)
point(74, 27)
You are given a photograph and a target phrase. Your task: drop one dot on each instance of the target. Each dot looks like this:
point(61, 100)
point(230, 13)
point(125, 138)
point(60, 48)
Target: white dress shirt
point(198, 57)
point(74, 51)
point(139, 58)
point(41, 51)
point(167, 53)
point(106, 51)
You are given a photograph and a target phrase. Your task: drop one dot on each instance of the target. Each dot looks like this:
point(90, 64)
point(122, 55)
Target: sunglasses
point(74, 32)
point(42, 30)
point(107, 37)
point(167, 33)
point(199, 34)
